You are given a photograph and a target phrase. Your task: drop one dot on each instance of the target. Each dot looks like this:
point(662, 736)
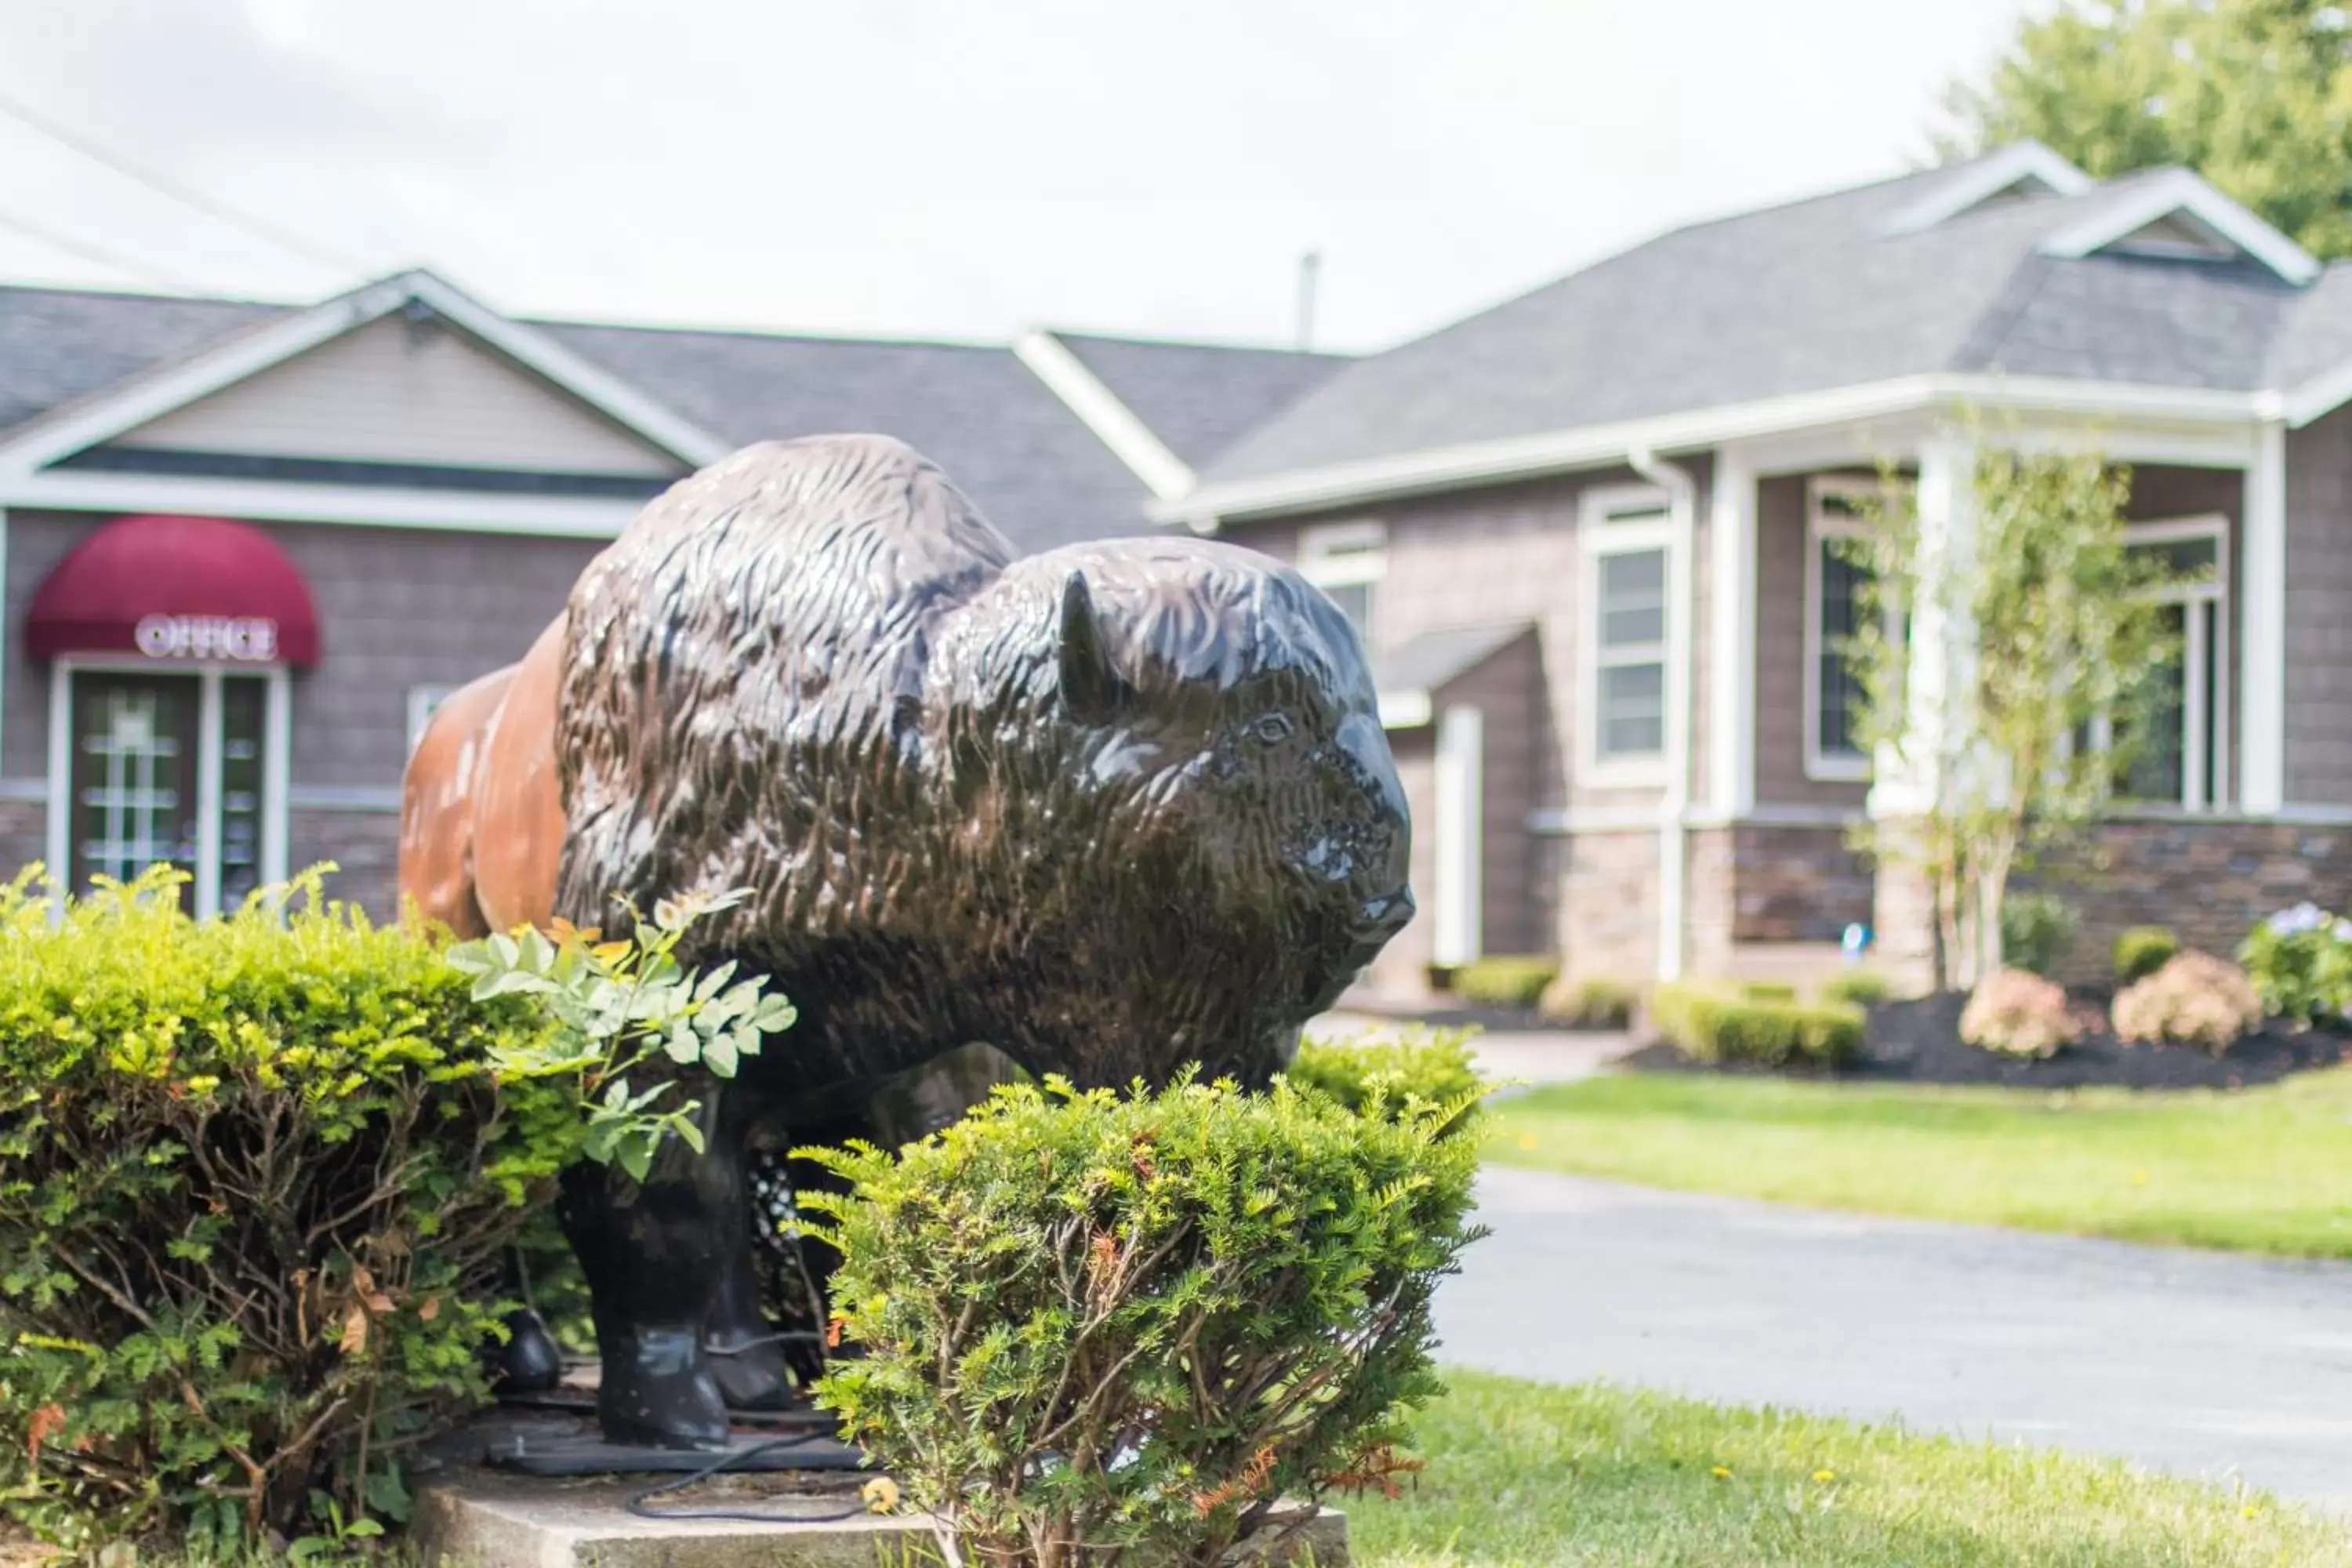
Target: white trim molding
point(1821, 527)
point(1100, 410)
point(1732, 540)
point(2103, 403)
point(256, 501)
point(2262, 623)
point(1348, 555)
point(1613, 520)
point(2180, 193)
point(149, 397)
point(1979, 181)
point(1459, 935)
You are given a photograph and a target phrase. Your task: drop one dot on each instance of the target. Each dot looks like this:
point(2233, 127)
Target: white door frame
point(277, 728)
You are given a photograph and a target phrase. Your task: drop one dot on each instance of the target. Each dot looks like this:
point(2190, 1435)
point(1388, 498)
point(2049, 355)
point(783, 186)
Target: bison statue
point(1112, 809)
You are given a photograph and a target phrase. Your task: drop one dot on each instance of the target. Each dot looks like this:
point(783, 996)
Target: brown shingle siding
point(2319, 611)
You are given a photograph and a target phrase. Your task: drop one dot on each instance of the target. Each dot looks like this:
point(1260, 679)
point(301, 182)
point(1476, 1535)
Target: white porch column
point(1731, 790)
point(1459, 935)
point(1909, 780)
point(2260, 623)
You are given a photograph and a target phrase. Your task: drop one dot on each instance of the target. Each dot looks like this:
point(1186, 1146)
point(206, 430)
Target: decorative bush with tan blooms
point(1096, 1325)
point(256, 1174)
point(2019, 1015)
point(2141, 951)
point(1590, 1002)
point(1506, 981)
point(1712, 1024)
point(2195, 999)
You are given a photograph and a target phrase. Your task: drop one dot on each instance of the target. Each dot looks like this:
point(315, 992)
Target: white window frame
point(1821, 527)
point(2196, 745)
point(1622, 520)
point(278, 726)
point(1347, 555)
point(422, 701)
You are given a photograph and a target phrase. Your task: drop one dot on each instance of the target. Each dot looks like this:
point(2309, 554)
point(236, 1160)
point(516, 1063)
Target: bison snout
point(1378, 920)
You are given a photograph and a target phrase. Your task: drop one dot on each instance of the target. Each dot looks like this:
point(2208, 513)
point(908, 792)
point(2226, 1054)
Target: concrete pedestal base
point(485, 1520)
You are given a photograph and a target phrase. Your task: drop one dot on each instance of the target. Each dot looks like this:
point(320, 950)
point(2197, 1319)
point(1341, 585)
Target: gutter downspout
point(1673, 845)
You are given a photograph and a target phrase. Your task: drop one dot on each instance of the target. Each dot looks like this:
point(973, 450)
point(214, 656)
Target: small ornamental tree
point(2049, 667)
point(1094, 1322)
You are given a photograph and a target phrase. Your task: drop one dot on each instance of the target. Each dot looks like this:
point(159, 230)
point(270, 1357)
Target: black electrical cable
point(724, 1464)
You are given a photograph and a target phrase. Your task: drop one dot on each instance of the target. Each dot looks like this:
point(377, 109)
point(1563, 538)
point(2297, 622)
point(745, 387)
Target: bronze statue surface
point(1112, 809)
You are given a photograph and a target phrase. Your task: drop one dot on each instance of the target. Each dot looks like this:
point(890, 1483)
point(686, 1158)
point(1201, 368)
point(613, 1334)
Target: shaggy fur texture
point(1113, 808)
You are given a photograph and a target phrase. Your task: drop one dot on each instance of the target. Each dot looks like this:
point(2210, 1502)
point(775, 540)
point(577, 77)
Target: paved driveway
point(2203, 1365)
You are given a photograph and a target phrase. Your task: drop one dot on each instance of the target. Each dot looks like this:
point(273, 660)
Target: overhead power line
point(89, 252)
point(164, 184)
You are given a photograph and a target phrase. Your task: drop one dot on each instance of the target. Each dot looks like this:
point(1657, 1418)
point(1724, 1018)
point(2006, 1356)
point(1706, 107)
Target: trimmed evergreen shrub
point(2141, 951)
point(2036, 932)
point(1512, 982)
point(2300, 960)
point(1434, 1068)
point(1095, 1325)
point(1593, 1002)
point(1712, 1025)
point(1768, 991)
point(256, 1174)
point(1857, 988)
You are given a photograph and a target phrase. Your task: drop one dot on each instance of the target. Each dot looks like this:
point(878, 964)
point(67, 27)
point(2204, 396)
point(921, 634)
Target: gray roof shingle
point(1801, 298)
point(1432, 660)
point(1199, 399)
point(59, 345)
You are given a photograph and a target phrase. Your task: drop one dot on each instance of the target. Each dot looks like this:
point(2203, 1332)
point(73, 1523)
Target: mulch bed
point(1919, 1042)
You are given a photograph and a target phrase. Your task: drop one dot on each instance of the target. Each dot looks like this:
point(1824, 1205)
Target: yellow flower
point(881, 1495)
point(1824, 1475)
point(2139, 1178)
point(2249, 1511)
point(1527, 1140)
point(1722, 1472)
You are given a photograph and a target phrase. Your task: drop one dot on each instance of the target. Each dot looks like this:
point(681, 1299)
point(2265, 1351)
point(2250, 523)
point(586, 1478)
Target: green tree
point(2054, 652)
point(2256, 95)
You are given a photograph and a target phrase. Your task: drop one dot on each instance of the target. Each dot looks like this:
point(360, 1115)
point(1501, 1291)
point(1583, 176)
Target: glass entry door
point(171, 767)
point(135, 744)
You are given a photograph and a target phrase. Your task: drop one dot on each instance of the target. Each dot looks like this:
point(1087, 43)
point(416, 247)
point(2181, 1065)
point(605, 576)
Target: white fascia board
point(1404, 710)
point(1986, 178)
point(1099, 409)
point(2179, 190)
point(560, 517)
point(1593, 445)
point(148, 397)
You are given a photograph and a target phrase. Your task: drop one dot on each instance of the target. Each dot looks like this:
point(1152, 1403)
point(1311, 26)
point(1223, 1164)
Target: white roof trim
point(2179, 190)
point(273, 500)
point(1099, 409)
point(147, 397)
point(1984, 178)
point(1525, 457)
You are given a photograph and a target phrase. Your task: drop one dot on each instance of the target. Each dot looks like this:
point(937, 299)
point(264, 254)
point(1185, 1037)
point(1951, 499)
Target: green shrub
point(1857, 988)
point(255, 1182)
point(1136, 1322)
point(1435, 1069)
point(2141, 951)
point(2300, 960)
point(1504, 982)
point(1593, 1001)
point(2036, 932)
point(1711, 1025)
point(1768, 991)
point(2195, 999)
point(2018, 1015)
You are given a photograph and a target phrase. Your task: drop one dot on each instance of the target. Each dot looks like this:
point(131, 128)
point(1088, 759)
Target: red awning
point(177, 589)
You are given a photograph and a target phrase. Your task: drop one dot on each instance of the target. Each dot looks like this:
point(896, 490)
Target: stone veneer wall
point(1608, 904)
point(1797, 884)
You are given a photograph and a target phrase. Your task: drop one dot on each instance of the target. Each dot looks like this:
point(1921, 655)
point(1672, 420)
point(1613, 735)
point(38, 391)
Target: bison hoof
point(657, 1392)
point(752, 1371)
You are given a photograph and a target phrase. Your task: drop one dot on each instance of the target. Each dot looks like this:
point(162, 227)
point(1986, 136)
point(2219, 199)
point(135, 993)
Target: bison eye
point(1272, 729)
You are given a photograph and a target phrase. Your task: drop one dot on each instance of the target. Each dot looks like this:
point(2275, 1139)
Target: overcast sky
point(955, 168)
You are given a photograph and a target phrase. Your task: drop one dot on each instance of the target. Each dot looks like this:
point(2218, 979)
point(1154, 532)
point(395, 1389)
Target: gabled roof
point(76, 364)
point(1200, 398)
point(2013, 265)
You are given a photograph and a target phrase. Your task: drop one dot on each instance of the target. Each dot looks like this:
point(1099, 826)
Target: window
point(1836, 588)
point(2181, 761)
point(1627, 541)
point(1347, 561)
point(423, 700)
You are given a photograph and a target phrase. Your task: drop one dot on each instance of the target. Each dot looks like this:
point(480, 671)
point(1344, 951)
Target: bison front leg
point(657, 1256)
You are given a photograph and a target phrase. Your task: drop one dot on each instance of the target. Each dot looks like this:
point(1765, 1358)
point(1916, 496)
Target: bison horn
point(1091, 687)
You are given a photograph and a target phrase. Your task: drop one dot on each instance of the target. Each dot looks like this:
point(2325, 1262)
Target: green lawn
point(2263, 1170)
point(1523, 1474)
